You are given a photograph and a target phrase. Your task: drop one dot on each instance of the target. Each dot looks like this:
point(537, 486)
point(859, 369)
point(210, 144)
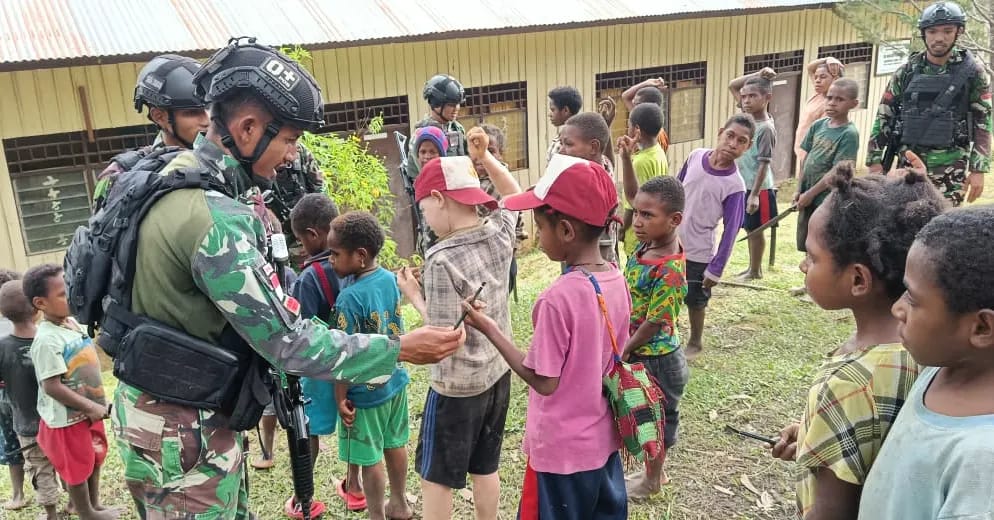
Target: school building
point(68, 69)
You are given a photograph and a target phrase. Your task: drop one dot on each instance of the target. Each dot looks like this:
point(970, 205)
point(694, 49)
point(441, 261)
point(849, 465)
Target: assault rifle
point(409, 188)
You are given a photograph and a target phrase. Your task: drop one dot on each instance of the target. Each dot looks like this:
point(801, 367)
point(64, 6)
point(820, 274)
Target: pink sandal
point(352, 502)
point(292, 508)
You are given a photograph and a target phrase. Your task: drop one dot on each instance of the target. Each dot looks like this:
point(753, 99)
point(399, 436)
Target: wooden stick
point(748, 286)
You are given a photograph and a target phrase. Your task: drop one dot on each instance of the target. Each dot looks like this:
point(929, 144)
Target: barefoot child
point(656, 280)
point(71, 400)
point(8, 435)
point(857, 244)
point(938, 457)
point(754, 92)
point(714, 193)
point(571, 441)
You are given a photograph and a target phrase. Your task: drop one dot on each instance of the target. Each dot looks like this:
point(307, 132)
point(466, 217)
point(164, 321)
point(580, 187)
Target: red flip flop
point(352, 502)
point(292, 509)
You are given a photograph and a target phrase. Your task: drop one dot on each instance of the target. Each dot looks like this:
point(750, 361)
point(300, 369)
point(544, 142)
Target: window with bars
point(506, 107)
point(857, 57)
point(353, 116)
point(52, 177)
point(782, 62)
point(683, 100)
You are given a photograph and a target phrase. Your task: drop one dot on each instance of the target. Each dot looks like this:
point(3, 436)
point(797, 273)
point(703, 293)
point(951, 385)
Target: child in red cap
point(570, 437)
point(463, 425)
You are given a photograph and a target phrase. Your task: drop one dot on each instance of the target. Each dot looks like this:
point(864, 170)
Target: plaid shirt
point(851, 408)
point(454, 269)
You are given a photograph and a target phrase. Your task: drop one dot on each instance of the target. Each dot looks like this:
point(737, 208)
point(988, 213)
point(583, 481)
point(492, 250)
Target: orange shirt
point(812, 111)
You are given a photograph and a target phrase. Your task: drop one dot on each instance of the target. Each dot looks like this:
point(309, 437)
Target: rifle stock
point(402, 140)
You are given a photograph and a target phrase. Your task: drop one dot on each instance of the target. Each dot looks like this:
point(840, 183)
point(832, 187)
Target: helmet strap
point(172, 130)
point(272, 128)
point(438, 112)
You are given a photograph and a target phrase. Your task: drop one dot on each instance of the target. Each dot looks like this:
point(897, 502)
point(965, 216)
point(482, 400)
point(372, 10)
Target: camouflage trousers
point(947, 171)
point(179, 462)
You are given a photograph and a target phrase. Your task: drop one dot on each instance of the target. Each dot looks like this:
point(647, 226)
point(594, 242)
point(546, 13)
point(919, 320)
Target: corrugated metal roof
point(40, 30)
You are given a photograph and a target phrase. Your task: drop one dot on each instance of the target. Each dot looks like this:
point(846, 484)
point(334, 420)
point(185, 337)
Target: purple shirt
point(573, 429)
point(711, 196)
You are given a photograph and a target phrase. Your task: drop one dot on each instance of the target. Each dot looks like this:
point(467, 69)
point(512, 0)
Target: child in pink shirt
point(571, 440)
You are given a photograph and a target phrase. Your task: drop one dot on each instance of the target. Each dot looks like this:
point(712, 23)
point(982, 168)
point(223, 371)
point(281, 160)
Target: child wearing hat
point(571, 440)
point(463, 425)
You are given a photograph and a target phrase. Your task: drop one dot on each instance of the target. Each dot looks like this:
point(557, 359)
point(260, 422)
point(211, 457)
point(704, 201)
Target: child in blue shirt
point(374, 419)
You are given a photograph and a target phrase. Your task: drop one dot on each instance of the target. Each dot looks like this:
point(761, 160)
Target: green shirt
point(67, 352)
point(648, 163)
point(764, 141)
point(826, 146)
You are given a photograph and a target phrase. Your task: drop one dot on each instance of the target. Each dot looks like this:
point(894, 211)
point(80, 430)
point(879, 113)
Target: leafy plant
point(355, 178)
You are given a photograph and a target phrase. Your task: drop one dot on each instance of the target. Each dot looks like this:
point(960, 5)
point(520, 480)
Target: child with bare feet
point(71, 401)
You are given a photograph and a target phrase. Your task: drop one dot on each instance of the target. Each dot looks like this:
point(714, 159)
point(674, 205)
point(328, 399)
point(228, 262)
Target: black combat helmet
point(942, 13)
point(166, 82)
point(443, 89)
point(289, 92)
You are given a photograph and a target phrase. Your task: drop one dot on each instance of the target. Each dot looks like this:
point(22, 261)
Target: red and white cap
point(454, 177)
point(572, 186)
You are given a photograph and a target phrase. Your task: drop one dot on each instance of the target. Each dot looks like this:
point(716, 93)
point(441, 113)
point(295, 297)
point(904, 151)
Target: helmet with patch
point(942, 13)
point(443, 89)
point(288, 91)
point(167, 82)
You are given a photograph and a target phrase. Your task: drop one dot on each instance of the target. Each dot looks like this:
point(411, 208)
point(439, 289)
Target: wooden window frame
point(678, 77)
point(787, 62)
point(852, 55)
point(352, 117)
point(499, 99)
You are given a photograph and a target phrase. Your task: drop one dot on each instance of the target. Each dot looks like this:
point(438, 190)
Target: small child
point(18, 372)
point(754, 92)
point(564, 103)
point(829, 142)
point(71, 402)
point(641, 153)
point(430, 142)
point(8, 436)
point(317, 289)
point(856, 250)
point(938, 457)
point(714, 193)
point(821, 72)
point(571, 440)
point(374, 425)
point(658, 285)
point(495, 148)
point(466, 407)
point(648, 91)
point(587, 136)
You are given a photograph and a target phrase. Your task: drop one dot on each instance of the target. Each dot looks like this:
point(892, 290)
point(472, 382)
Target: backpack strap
point(325, 283)
point(603, 305)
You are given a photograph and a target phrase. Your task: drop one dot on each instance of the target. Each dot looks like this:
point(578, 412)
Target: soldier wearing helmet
point(938, 105)
point(165, 86)
point(444, 94)
point(201, 270)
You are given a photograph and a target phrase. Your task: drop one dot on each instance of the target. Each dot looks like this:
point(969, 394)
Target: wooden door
point(784, 110)
point(384, 145)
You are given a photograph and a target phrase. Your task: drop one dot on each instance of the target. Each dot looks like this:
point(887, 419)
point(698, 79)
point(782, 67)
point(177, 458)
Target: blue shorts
point(597, 494)
point(322, 412)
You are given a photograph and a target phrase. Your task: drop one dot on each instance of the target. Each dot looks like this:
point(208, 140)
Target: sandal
point(352, 502)
point(292, 508)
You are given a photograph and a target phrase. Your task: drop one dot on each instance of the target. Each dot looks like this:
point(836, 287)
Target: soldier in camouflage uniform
point(165, 86)
point(951, 142)
point(209, 271)
point(293, 181)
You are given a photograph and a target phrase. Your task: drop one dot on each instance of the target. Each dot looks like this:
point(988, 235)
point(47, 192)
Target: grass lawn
point(761, 349)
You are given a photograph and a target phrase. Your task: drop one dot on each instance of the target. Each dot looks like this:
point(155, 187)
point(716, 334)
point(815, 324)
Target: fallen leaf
point(466, 494)
point(741, 396)
point(725, 491)
point(412, 498)
point(765, 501)
point(748, 484)
point(713, 415)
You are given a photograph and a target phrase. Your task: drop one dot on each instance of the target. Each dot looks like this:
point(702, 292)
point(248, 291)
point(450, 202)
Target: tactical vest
point(158, 359)
point(935, 108)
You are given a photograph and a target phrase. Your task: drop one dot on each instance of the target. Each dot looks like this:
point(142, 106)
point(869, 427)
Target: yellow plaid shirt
point(851, 407)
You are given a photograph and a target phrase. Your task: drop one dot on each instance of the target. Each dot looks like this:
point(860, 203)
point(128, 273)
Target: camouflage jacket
point(889, 113)
point(293, 181)
point(210, 270)
point(461, 146)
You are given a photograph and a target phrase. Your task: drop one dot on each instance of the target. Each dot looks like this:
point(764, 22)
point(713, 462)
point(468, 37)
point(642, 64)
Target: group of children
point(55, 396)
point(881, 247)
